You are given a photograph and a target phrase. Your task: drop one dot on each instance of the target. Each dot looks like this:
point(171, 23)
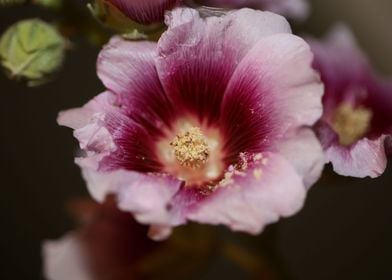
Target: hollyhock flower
point(109, 245)
point(143, 11)
point(296, 9)
point(210, 124)
point(356, 125)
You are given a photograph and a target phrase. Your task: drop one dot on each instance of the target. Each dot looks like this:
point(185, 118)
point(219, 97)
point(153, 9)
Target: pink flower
point(144, 11)
point(357, 120)
point(109, 245)
point(296, 9)
point(210, 124)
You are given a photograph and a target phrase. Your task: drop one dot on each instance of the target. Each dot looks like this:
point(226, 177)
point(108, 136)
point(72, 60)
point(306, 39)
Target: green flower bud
point(31, 50)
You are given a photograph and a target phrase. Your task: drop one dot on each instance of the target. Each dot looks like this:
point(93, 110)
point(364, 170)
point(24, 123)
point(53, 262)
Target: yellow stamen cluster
point(191, 148)
point(351, 124)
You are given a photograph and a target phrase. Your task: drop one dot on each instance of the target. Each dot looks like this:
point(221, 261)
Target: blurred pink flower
point(144, 11)
point(356, 125)
point(296, 9)
point(109, 245)
point(210, 124)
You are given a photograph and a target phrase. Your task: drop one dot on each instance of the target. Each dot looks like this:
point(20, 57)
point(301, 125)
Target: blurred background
point(343, 232)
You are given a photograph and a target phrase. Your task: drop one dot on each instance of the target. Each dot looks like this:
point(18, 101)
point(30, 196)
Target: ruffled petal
point(196, 56)
point(303, 150)
point(80, 117)
point(273, 90)
point(251, 199)
point(364, 158)
point(90, 128)
point(147, 196)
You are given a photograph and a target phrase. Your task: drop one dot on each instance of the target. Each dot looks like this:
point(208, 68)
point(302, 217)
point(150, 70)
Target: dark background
point(344, 231)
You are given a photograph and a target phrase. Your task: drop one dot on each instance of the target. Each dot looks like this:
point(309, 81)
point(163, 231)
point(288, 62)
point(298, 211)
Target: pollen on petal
point(257, 173)
point(350, 123)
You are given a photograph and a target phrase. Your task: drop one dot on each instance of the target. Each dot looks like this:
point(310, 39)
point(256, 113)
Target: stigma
point(191, 148)
point(351, 124)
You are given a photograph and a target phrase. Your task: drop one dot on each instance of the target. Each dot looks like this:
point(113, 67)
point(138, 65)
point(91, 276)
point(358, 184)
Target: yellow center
point(191, 148)
point(350, 123)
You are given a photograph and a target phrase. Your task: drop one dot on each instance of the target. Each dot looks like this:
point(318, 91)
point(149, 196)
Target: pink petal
point(121, 63)
point(80, 117)
point(267, 190)
point(303, 150)
point(90, 130)
point(135, 146)
point(198, 56)
point(146, 196)
point(64, 260)
point(364, 158)
point(273, 90)
point(128, 69)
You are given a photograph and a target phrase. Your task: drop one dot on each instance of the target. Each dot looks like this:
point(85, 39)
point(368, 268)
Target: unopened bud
point(31, 50)
point(126, 16)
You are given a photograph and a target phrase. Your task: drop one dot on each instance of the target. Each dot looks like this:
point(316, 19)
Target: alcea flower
point(207, 125)
point(142, 11)
point(108, 245)
point(296, 9)
point(357, 120)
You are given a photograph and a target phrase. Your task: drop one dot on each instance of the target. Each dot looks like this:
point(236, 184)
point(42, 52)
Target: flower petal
point(80, 117)
point(89, 124)
point(364, 158)
point(128, 69)
point(146, 196)
point(274, 89)
point(304, 152)
point(196, 56)
point(64, 260)
point(252, 200)
point(135, 145)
